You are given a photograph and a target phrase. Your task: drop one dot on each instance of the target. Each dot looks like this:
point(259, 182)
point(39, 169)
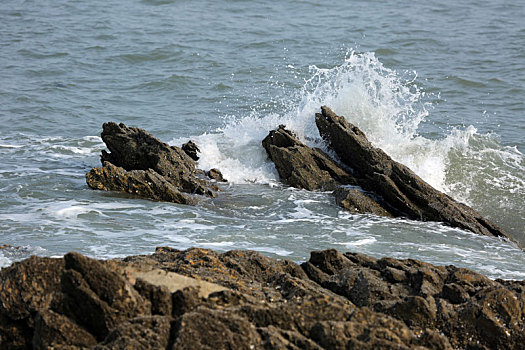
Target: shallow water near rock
point(438, 87)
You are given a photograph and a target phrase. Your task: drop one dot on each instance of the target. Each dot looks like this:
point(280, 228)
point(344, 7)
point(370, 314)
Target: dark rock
point(202, 299)
point(159, 296)
point(54, 330)
point(142, 165)
point(141, 333)
point(205, 328)
point(216, 175)
point(301, 166)
point(142, 183)
point(97, 297)
point(108, 285)
point(191, 149)
point(29, 286)
point(276, 338)
point(405, 192)
point(185, 300)
point(454, 293)
point(416, 311)
point(310, 168)
point(354, 200)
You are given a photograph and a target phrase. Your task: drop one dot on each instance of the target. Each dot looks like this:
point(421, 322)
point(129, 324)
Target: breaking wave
point(390, 108)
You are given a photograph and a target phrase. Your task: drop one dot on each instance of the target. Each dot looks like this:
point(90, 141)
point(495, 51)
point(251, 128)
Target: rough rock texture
point(140, 164)
point(405, 192)
point(366, 180)
point(301, 166)
point(216, 175)
point(143, 183)
point(310, 168)
point(200, 299)
point(191, 150)
point(353, 199)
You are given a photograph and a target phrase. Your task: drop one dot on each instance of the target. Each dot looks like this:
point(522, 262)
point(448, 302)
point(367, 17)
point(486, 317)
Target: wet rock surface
point(366, 180)
point(301, 166)
point(202, 299)
point(311, 169)
point(191, 149)
point(142, 165)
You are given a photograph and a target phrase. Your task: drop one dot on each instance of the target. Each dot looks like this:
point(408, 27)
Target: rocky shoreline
point(201, 299)
point(363, 178)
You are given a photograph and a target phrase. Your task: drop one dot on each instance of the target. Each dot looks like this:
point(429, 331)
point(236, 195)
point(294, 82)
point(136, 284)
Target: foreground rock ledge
point(201, 299)
point(366, 180)
point(142, 165)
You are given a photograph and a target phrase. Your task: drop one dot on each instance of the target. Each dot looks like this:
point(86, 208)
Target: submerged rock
point(140, 164)
point(201, 299)
point(215, 174)
point(366, 180)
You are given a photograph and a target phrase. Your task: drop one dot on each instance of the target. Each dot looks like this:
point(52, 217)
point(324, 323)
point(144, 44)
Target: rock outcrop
point(399, 186)
point(366, 179)
point(311, 169)
point(191, 149)
point(201, 299)
point(142, 165)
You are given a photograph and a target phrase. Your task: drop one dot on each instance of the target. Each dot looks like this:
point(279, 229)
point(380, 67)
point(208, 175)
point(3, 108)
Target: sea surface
point(440, 86)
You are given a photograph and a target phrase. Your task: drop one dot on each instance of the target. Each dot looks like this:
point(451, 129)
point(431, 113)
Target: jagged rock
point(191, 149)
point(28, 286)
point(53, 330)
point(405, 192)
point(140, 333)
point(201, 299)
point(310, 168)
point(216, 175)
point(354, 200)
point(301, 166)
point(97, 297)
point(205, 328)
point(140, 164)
point(142, 183)
point(418, 294)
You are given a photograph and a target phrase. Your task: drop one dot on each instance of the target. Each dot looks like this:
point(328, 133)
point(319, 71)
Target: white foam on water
point(74, 211)
point(10, 254)
point(219, 244)
point(272, 250)
point(192, 225)
point(4, 261)
point(70, 210)
point(360, 242)
point(55, 147)
point(389, 107)
point(66, 150)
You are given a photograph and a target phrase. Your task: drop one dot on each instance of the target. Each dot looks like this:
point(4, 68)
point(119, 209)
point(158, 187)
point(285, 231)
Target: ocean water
point(440, 87)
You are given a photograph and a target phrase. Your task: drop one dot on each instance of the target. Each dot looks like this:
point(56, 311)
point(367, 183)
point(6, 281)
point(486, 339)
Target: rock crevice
point(202, 299)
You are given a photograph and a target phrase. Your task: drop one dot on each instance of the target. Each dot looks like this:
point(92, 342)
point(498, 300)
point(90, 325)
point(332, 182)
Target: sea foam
point(389, 107)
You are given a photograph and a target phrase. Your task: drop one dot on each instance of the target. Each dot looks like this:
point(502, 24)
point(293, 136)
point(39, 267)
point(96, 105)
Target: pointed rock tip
point(327, 112)
point(112, 127)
